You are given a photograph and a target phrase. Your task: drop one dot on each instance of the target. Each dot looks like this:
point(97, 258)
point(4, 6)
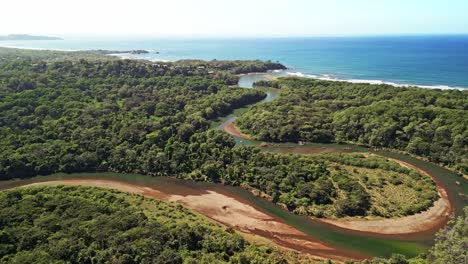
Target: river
point(353, 243)
point(455, 186)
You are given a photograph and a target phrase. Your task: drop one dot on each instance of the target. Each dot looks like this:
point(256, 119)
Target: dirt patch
point(232, 129)
point(230, 211)
point(233, 212)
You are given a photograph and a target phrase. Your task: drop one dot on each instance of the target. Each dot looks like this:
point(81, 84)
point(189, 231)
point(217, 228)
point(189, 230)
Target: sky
point(233, 17)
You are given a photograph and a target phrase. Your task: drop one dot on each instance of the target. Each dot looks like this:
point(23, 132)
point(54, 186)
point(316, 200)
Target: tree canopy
point(69, 224)
point(154, 118)
point(426, 122)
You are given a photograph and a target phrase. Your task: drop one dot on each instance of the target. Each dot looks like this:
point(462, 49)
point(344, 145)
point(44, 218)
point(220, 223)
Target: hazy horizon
point(243, 18)
point(150, 36)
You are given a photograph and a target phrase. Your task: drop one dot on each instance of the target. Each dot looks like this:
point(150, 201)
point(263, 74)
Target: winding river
point(303, 233)
point(454, 186)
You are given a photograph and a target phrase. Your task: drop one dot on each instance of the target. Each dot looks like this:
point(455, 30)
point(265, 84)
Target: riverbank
point(233, 130)
point(431, 219)
point(229, 211)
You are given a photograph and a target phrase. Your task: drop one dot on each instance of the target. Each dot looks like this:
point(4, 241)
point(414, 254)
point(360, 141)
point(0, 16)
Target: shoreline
point(326, 77)
point(433, 218)
point(288, 72)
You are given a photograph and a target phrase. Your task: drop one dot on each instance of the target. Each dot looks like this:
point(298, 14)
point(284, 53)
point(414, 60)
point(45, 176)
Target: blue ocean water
point(435, 61)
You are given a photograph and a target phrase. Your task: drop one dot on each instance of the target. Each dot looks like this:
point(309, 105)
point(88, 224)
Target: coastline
point(37, 49)
point(326, 77)
point(289, 72)
point(224, 208)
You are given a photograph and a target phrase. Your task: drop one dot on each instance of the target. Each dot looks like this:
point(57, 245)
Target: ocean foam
point(300, 74)
point(327, 77)
point(129, 56)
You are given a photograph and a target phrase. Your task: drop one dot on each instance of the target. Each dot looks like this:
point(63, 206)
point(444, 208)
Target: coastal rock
point(124, 51)
point(138, 52)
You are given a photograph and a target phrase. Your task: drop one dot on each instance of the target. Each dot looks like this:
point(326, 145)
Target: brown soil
point(234, 212)
point(232, 129)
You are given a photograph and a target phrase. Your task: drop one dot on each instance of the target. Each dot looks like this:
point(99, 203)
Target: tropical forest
point(111, 160)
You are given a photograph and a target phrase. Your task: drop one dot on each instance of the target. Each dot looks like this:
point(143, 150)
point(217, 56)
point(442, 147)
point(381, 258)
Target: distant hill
point(27, 37)
point(10, 54)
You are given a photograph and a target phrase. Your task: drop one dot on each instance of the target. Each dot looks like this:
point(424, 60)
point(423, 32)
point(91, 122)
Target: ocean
point(429, 61)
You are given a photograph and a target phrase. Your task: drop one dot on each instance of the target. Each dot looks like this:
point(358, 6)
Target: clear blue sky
point(233, 17)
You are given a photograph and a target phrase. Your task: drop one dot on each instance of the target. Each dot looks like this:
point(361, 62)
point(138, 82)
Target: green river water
point(364, 243)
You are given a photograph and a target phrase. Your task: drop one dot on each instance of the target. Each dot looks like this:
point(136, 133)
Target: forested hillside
point(426, 122)
point(237, 66)
point(66, 224)
point(334, 185)
point(12, 54)
point(154, 118)
point(120, 115)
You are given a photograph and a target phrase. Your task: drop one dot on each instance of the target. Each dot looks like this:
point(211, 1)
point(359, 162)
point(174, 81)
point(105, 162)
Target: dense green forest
point(117, 115)
point(77, 115)
point(12, 54)
point(130, 116)
point(235, 67)
point(333, 185)
point(69, 224)
point(154, 119)
point(425, 122)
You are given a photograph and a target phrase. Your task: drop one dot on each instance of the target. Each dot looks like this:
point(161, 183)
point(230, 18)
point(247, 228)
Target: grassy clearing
point(385, 188)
